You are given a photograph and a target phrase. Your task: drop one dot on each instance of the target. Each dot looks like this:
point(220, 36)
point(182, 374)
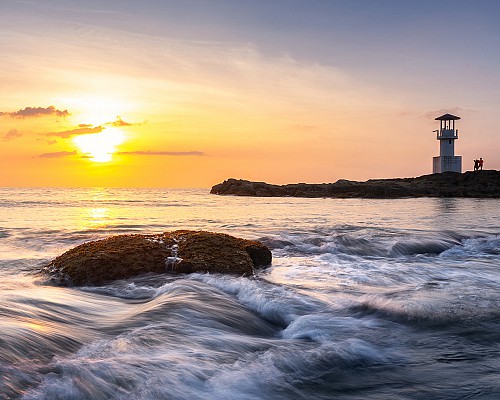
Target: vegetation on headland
point(481, 184)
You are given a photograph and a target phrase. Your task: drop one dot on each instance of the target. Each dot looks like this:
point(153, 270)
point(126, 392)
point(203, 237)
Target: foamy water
point(372, 299)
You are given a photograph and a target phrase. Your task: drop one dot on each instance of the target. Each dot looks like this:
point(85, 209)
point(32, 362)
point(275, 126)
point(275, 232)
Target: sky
point(160, 93)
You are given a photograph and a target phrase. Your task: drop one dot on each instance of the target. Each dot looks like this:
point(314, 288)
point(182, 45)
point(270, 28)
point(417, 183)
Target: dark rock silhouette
point(125, 256)
point(448, 184)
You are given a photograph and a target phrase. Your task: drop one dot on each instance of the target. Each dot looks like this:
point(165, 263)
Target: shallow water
point(371, 299)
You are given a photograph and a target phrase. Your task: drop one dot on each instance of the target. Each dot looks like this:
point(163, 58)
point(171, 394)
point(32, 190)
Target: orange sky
point(89, 99)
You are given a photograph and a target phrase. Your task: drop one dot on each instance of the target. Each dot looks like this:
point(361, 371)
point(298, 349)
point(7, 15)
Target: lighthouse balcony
point(447, 134)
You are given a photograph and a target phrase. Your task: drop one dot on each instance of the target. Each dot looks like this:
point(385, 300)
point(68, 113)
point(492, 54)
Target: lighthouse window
point(449, 141)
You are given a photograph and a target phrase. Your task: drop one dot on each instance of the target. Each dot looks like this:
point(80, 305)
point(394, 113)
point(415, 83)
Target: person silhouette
point(481, 162)
point(476, 164)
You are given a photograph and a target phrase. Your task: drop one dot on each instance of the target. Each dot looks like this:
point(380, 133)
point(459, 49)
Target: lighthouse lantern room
point(447, 134)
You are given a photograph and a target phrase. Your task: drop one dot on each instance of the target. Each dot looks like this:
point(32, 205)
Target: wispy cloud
point(453, 110)
point(86, 129)
point(57, 154)
point(119, 122)
point(305, 127)
point(161, 153)
point(35, 112)
point(11, 134)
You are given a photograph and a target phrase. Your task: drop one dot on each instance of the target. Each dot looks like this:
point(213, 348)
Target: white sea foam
point(275, 303)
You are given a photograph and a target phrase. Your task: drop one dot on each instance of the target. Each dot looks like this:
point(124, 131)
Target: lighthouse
point(447, 134)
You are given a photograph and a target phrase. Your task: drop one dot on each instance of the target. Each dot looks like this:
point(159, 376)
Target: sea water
point(365, 299)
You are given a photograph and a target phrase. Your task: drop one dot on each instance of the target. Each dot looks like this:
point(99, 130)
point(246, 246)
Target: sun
point(100, 147)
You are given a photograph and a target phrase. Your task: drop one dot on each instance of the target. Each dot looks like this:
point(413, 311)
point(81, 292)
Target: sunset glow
point(213, 90)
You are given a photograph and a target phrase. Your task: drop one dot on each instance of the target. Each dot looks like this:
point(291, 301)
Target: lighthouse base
point(446, 163)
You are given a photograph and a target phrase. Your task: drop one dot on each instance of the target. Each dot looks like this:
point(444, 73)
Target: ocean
point(365, 299)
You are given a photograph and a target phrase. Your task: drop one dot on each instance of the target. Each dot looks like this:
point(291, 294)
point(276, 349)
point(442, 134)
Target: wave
point(212, 337)
point(423, 246)
point(474, 247)
point(195, 339)
point(373, 243)
point(86, 203)
point(275, 303)
point(4, 233)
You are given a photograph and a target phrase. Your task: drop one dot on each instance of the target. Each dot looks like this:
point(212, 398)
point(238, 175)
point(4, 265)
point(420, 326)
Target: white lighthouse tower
point(447, 134)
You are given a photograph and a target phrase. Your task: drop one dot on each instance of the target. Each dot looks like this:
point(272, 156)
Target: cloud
point(11, 134)
point(86, 129)
point(161, 153)
point(35, 112)
point(58, 154)
point(305, 127)
point(454, 110)
point(119, 122)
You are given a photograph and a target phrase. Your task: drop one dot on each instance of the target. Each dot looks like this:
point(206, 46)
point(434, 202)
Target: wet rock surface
point(485, 184)
point(125, 256)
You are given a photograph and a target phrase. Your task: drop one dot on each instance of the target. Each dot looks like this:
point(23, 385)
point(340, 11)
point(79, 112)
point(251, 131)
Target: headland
point(476, 184)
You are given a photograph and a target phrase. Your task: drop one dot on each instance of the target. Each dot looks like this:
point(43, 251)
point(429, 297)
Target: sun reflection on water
point(99, 214)
point(98, 217)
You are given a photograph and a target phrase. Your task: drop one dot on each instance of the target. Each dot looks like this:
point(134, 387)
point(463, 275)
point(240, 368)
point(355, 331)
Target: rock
point(484, 184)
point(125, 256)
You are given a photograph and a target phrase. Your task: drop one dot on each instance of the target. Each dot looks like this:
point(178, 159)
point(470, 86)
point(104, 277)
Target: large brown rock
point(124, 256)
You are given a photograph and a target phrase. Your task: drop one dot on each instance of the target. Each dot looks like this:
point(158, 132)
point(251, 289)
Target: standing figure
point(476, 164)
point(481, 162)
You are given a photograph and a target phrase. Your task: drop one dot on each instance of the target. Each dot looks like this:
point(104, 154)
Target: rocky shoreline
point(477, 184)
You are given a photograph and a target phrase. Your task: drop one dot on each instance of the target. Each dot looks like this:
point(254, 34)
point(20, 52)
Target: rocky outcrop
point(448, 184)
point(125, 256)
